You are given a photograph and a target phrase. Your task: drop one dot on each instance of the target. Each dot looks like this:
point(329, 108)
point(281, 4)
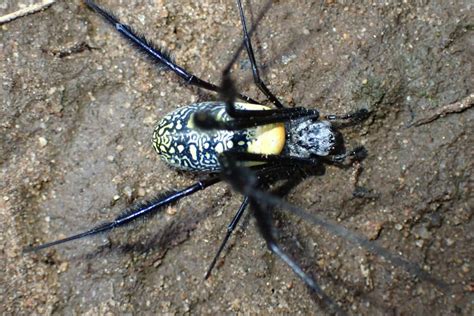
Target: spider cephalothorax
point(308, 138)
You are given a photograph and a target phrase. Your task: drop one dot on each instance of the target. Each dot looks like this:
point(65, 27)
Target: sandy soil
point(78, 106)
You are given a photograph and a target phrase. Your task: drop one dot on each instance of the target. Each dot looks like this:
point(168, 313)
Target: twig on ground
point(26, 11)
point(455, 107)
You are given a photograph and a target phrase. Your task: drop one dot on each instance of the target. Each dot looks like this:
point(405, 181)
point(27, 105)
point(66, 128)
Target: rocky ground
point(78, 106)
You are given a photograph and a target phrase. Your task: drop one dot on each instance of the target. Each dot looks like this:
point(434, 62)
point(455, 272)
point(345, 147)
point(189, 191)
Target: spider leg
point(228, 91)
point(359, 153)
point(245, 181)
point(230, 229)
point(133, 214)
point(354, 117)
point(282, 160)
point(266, 170)
point(256, 75)
point(248, 118)
point(156, 53)
point(264, 222)
point(348, 235)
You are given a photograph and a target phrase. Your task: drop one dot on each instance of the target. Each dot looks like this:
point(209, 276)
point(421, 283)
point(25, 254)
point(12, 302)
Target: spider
point(247, 144)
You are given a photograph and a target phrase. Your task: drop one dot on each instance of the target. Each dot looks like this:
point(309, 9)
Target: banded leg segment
point(157, 54)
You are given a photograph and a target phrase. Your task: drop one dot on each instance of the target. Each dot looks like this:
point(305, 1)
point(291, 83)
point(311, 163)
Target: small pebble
point(128, 191)
point(373, 229)
point(286, 59)
point(422, 232)
point(449, 242)
point(63, 267)
point(171, 210)
point(42, 141)
point(141, 192)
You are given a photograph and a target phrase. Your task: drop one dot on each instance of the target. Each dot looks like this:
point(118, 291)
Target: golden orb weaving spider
point(247, 144)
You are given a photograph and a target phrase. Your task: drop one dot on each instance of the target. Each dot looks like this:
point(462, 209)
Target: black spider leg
point(247, 118)
point(238, 215)
point(359, 153)
point(351, 118)
point(253, 118)
point(132, 215)
point(236, 175)
point(156, 53)
point(350, 236)
point(228, 91)
point(230, 229)
point(356, 154)
point(263, 217)
point(256, 75)
point(245, 181)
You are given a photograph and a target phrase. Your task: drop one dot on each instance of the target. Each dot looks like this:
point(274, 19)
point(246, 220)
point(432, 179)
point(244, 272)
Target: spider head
point(313, 137)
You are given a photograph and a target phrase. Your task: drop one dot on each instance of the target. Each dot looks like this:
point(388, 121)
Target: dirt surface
point(78, 106)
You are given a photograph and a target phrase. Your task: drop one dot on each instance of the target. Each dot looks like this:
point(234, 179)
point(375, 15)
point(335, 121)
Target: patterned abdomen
point(186, 147)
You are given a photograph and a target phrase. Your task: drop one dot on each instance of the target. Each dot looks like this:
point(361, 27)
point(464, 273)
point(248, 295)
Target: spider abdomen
point(181, 144)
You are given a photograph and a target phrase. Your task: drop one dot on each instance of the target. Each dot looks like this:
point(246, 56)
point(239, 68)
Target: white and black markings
point(180, 143)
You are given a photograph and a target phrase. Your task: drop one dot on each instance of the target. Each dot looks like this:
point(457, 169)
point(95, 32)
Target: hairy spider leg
point(354, 117)
point(157, 54)
point(230, 229)
point(256, 75)
point(129, 216)
point(244, 180)
point(143, 210)
point(251, 118)
point(348, 235)
point(274, 165)
point(248, 118)
point(280, 162)
point(264, 221)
